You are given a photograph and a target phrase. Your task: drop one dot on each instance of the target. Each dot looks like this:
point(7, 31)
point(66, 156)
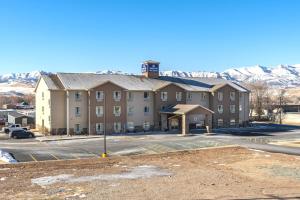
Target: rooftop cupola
point(150, 69)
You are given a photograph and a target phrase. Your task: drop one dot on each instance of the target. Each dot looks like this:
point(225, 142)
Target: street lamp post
point(104, 154)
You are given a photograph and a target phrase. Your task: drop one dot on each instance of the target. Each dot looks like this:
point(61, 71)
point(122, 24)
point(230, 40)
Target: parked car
point(13, 127)
point(21, 134)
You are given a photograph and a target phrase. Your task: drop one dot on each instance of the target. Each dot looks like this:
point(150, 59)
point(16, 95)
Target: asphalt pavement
point(26, 150)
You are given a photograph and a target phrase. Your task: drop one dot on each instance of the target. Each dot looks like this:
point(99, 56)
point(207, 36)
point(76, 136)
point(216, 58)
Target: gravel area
point(215, 173)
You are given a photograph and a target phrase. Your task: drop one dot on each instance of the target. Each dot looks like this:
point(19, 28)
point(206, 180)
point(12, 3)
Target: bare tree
point(259, 98)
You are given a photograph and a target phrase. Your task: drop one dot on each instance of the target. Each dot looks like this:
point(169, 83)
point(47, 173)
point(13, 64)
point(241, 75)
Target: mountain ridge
point(280, 76)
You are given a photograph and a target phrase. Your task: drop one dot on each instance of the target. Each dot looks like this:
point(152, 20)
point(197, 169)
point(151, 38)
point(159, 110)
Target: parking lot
point(32, 150)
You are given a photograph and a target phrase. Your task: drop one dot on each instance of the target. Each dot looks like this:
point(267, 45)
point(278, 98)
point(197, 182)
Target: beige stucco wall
point(138, 103)
point(197, 99)
point(42, 102)
point(58, 109)
point(83, 104)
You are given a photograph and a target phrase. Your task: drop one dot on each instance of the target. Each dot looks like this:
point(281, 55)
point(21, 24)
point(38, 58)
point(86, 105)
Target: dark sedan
point(21, 134)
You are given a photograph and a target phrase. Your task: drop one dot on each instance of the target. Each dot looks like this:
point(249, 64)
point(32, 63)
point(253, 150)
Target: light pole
point(104, 154)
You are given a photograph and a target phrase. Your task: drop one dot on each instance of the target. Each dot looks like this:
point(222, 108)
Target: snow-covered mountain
point(27, 78)
point(281, 76)
point(277, 76)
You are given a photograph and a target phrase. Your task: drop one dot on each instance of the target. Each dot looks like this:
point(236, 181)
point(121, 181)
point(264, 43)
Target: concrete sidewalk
point(42, 138)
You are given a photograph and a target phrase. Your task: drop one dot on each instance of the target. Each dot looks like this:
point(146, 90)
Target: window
point(99, 95)
point(129, 110)
point(146, 110)
point(43, 110)
point(49, 118)
point(220, 122)
point(77, 96)
point(164, 96)
point(146, 95)
point(232, 122)
point(49, 103)
point(117, 111)
point(99, 128)
point(220, 96)
point(43, 95)
point(232, 108)
point(178, 96)
point(129, 96)
point(99, 111)
point(232, 96)
point(117, 95)
point(77, 111)
point(146, 126)
point(220, 109)
point(77, 128)
point(240, 107)
point(117, 127)
point(189, 96)
point(130, 126)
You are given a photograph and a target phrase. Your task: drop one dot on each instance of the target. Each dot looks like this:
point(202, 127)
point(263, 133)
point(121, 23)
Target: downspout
point(68, 113)
point(89, 112)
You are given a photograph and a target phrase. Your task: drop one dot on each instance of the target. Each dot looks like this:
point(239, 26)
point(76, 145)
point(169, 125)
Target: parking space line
point(77, 157)
point(54, 156)
point(33, 158)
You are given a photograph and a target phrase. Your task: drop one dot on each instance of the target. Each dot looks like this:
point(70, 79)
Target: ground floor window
point(146, 126)
point(130, 126)
point(220, 122)
point(117, 127)
point(77, 128)
point(99, 128)
point(232, 122)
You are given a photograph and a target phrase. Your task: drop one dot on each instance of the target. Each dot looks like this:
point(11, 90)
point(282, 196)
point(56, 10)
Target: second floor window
point(43, 95)
point(77, 96)
point(117, 95)
point(43, 110)
point(232, 96)
point(232, 108)
point(117, 111)
point(220, 109)
point(99, 95)
point(99, 111)
point(178, 96)
point(77, 111)
point(220, 96)
point(164, 96)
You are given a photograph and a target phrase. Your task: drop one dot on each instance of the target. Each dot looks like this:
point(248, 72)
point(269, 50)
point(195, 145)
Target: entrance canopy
point(187, 114)
point(181, 109)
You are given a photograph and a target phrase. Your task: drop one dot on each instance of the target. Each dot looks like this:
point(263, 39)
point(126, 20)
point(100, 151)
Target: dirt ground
point(217, 173)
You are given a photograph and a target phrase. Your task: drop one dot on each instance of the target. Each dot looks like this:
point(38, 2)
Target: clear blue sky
point(86, 35)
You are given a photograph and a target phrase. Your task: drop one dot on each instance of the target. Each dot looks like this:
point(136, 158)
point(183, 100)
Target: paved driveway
point(31, 150)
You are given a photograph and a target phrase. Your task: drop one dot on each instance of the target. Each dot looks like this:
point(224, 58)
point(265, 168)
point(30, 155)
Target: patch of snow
point(143, 171)
point(6, 157)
